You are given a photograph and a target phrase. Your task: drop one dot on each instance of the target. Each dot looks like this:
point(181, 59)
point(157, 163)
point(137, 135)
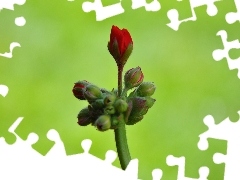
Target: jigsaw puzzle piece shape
point(232, 17)
point(225, 130)
point(3, 90)
point(157, 174)
point(58, 149)
point(9, 4)
point(23, 147)
point(229, 131)
point(153, 6)
point(101, 11)
point(219, 54)
point(173, 14)
point(10, 53)
point(95, 168)
point(231, 164)
point(19, 157)
point(180, 162)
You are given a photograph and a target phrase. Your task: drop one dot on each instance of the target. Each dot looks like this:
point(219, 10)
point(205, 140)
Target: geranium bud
point(121, 105)
point(133, 78)
point(97, 104)
point(109, 99)
point(79, 89)
point(92, 93)
point(120, 45)
point(84, 117)
point(115, 121)
point(140, 106)
point(109, 110)
point(146, 89)
point(103, 123)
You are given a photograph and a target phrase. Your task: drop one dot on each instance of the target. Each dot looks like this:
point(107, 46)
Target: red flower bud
point(120, 45)
point(133, 78)
point(79, 89)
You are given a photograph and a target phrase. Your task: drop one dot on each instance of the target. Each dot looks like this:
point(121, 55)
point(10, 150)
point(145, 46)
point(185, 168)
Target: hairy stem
point(120, 132)
point(120, 70)
point(122, 146)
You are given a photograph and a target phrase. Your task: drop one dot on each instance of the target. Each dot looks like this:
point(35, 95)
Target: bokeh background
point(61, 44)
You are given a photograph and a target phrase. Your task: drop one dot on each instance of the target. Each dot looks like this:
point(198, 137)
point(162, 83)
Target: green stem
point(120, 70)
point(122, 146)
point(120, 132)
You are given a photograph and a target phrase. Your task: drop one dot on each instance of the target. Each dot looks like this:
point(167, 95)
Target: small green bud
point(84, 117)
point(115, 122)
point(133, 78)
point(146, 89)
point(97, 104)
point(121, 105)
point(109, 99)
point(92, 93)
point(109, 110)
point(103, 123)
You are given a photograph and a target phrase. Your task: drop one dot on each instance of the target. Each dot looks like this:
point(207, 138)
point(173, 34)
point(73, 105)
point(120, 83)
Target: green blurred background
point(61, 44)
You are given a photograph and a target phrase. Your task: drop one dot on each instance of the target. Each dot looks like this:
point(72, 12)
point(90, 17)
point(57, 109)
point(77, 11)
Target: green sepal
point(126, 55)
point(134, 120)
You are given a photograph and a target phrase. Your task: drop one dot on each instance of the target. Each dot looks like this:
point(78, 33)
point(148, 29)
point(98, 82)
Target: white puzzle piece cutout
point(230, 132)
point(180, 162)
point(153, 6)
point(173, 14)
point(232, 17)
point(220, 54)
point(103, 12)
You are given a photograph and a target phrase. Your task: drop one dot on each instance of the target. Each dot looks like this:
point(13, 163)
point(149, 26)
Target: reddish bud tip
point(133, 78)
point(120, 45)
point(79, 88)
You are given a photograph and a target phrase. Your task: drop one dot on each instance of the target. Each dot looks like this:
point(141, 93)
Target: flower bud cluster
point(140, 99)
point(104, 109)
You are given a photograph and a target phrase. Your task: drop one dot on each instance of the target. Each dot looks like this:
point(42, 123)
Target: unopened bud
point(79, 89)
point(92, 93)
point(84, 117)
point(109, 110)
point(140, 106)
point(133, 78)
point(97, 104)
point(120, 45)
point(146, 89)
point(121, 105)
point(109, 99)
point(103, 123)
